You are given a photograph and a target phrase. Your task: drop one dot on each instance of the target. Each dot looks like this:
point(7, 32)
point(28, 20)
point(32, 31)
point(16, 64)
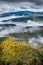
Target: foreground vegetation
point(17, 53)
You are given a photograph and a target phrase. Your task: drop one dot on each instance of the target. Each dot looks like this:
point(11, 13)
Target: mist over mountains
point(21, 17)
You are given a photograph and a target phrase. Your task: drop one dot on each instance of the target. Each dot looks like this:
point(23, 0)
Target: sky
point(34, 1)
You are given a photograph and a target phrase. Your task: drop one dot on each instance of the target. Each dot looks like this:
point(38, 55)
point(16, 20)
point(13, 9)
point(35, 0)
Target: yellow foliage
point(13, 51)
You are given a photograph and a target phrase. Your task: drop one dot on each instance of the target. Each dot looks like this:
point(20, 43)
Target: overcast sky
point(35, 1)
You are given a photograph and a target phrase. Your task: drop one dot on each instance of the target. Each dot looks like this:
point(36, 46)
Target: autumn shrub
point(14, 51)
